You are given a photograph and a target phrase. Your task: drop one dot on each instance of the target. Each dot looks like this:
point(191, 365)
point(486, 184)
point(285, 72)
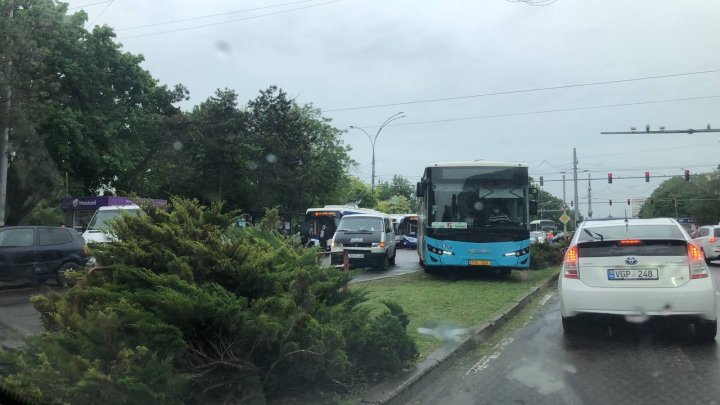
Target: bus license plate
point(479, 262)
point(355, 255)
point(634, 274)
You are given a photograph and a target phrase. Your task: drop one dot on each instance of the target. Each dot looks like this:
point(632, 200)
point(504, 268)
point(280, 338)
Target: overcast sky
point(355, 53)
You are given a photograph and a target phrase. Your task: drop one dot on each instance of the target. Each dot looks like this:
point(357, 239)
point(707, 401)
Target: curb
point(410, 383)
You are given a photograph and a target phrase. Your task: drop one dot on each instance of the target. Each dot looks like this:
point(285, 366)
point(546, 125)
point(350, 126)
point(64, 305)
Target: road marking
point(546, 298)
point(484, 362)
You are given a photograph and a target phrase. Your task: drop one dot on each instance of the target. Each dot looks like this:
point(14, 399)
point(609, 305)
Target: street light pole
point(390, 119)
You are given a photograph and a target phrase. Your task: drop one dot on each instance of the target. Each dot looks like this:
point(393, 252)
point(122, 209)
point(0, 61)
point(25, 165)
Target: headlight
point(378, 244)
point(440, 252)
point(336, 245)
point(521, 252)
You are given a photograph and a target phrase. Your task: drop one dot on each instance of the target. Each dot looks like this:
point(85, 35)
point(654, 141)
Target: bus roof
point(344, 209)
point(477, 164)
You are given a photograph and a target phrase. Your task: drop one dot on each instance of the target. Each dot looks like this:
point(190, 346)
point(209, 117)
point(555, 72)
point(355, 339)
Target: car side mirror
point(533, 207)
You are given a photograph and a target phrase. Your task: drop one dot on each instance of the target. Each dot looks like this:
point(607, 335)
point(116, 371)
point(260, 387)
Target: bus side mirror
point(419, 189)
point(533, 207)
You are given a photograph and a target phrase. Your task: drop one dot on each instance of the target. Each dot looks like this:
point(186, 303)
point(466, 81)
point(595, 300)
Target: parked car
point(368, 240)
point(39, 253)
point(708, 238)
point(537, 237)
point(637, 267)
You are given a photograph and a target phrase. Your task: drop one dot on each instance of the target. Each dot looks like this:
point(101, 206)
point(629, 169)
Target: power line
point(231, 21)
point(90, 4)
point(499, 93)
point(213, 15)
point(478, 117)
point(102, 12)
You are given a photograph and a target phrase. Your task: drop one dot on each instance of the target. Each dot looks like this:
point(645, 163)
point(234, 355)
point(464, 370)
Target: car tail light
point(712, 239)
point(630, 242)
point(570, 264)
point(698, 268)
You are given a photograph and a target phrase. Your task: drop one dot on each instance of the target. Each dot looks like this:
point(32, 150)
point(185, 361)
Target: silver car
point(708, 238)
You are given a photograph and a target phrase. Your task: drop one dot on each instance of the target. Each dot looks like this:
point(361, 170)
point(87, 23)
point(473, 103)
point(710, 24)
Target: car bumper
point(369, 259)
point(697, 298)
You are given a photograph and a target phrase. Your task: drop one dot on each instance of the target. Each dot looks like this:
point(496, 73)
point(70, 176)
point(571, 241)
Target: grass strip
point(465, 302)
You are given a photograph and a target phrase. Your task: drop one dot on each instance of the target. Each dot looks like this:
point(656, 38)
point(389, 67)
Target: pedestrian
point(323, 237)
point(550, 235)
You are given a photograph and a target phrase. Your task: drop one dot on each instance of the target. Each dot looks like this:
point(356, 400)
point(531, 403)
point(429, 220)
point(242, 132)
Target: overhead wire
point(90, 4)
point(101, 12)
point(529, 90)
point(478, 117)
point(230, 21)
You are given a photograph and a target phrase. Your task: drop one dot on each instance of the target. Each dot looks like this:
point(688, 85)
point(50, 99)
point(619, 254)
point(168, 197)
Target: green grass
point(465, 302)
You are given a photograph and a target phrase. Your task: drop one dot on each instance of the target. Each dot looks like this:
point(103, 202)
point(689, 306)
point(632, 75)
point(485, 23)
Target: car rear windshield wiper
point(592, 234)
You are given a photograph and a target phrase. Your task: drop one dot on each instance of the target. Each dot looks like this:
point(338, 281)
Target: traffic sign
point(564, 218)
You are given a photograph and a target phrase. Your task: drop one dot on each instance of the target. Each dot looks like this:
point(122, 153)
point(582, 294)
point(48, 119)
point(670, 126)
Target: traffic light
point(609, 178)
point(611, 201)
point(628, 201)
point(687, 175)
point(541, 180)
point(647, 177)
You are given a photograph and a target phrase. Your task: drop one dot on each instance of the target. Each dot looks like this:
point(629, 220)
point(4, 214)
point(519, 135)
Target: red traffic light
point(647, 177)
point(610, 201)
point(609, 178)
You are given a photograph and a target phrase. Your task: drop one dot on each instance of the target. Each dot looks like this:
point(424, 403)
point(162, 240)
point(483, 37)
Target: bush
point(189, 309)
point(546, 254)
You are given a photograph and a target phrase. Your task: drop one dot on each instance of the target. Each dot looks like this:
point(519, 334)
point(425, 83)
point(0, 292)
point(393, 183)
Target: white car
point(708, 238)
point(537, 237)
point(637, 267)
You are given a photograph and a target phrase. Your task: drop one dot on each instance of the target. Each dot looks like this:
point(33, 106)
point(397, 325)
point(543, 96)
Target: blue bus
point(474, 215)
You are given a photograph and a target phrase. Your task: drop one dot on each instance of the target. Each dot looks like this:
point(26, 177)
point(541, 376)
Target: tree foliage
point(190, 309)
point(698, 198)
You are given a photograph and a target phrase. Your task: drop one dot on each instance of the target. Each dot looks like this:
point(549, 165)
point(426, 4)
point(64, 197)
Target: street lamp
point(390, 119)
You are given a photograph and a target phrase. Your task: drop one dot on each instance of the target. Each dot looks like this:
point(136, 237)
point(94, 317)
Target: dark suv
point(39, 253)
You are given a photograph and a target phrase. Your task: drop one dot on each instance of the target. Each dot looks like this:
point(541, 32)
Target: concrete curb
point(401, 389)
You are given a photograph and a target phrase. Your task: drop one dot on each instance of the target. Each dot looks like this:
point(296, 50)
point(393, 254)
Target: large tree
point(81, 107)
point(698, 198)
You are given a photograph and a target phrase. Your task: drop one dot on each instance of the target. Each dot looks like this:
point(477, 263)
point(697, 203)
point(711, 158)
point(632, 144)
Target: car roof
point(630, 221)
point(365, 216)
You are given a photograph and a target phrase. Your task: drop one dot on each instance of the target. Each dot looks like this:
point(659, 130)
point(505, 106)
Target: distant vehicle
point(537, 237)
point(330, 216)
point(474, 215)
point(642, 267)
point(544, 225)
point(368, 240)
point(562, 237)
point(708, 238)
point(98, 230)
point(40, 253)
point(406, 231)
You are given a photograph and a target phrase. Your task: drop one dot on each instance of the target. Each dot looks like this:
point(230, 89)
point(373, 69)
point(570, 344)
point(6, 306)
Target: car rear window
point(630, 231)
point(717, 232)
point(16, 237)
point(54, 236)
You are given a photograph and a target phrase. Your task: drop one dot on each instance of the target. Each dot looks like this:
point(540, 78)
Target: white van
point(98, 230)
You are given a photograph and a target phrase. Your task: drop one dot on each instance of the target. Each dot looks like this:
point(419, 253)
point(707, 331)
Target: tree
point(397, 204)
point(80, 106)
point(399, 185)
point(675, 197)
point(550, 207)
point(355, 191)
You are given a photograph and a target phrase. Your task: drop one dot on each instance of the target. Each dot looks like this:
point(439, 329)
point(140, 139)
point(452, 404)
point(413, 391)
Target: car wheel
point(384, 264)
point(569, 325)
point(62, 278)
point(392, 259)
point(705, 331)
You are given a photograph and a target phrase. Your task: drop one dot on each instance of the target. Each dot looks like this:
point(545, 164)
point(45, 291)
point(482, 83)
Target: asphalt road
point(406, 261)
point(611, 362)
point(18, 317)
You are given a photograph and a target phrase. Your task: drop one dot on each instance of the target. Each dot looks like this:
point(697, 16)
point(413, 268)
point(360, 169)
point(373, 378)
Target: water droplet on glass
point(223, 49)
point(177, 145)
point(252, 165)
point(478, 206)
point(271, 158)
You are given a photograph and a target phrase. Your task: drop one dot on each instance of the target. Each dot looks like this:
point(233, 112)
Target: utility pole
point(589, 198)
point(6, 130)
point(576, 211)
point(564, 204)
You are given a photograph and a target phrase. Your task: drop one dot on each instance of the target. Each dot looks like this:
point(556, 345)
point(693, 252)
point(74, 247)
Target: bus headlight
point(518, 253)
point(440, 252)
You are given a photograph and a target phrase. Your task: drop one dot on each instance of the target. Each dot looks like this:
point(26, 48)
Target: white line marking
point(484, 362)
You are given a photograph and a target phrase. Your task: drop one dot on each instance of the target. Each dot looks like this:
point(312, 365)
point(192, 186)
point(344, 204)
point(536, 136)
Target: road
point(406, 261)
point(611, 362)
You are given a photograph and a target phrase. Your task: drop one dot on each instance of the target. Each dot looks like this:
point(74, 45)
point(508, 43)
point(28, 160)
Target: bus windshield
point(482, 199)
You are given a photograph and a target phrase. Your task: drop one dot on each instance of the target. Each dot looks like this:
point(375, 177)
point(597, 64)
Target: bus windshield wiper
point(592, 234)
